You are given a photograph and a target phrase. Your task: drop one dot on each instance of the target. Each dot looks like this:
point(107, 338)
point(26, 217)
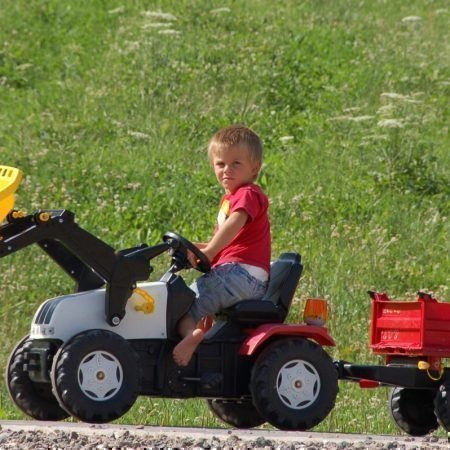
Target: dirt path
point(61, 435)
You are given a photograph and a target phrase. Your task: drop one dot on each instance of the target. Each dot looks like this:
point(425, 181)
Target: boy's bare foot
point(183, 351)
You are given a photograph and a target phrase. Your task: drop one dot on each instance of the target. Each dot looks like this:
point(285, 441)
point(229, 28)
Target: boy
point(240, 248)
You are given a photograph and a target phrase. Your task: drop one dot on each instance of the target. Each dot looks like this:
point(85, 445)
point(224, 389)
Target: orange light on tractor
point(315, 312)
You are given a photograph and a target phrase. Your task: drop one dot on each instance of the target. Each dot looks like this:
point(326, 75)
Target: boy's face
point(234, 168)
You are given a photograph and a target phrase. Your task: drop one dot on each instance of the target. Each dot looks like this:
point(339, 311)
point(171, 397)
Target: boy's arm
point(226, 233)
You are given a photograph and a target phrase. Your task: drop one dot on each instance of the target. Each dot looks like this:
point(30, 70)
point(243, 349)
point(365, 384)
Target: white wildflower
point(117, 123)
point(131, 46)
point(361, 118)
point(159, 15)
point(285, 139)
point(375, 137)
point(24, 66)
point(399, 97)
point(411, 100)
point(393, 96)
point(390, 123)
point(411, 19)
point(138, 135)
point(352, 109)
point(386, 109)
point(118, 10)
point(220, 10)
point(391, 241)
point(133, 186)
point(297, 198)
point(353, 118)
point(171, 32)
point(334, 231)
point(156, 25)
point(441, 11)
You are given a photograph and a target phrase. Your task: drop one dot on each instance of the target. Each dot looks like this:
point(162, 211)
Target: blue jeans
point(222, 287)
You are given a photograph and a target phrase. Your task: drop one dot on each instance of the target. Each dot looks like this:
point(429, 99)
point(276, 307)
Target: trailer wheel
point(95, 376)
point(413, 411)
point(237, 413)
point(442, 406)
point(34, 399)
point(294, 384)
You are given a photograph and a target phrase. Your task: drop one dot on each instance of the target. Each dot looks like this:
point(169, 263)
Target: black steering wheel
point(180, 245)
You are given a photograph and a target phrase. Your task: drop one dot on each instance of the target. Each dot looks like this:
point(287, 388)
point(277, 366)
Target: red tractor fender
point(259, 335)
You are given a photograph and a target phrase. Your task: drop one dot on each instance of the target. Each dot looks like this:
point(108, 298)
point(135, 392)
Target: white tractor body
point(65, 316)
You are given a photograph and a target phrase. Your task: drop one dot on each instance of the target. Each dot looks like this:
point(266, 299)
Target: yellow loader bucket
point(9, 182)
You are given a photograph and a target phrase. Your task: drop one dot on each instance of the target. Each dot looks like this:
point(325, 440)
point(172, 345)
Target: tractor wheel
point(412, 410)
point(237, 413)
point(95, 376)
point(442, 406)
point(34, 399)
point(294, 384)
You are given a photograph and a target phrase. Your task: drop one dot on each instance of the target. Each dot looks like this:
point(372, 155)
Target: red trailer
point(414, 336)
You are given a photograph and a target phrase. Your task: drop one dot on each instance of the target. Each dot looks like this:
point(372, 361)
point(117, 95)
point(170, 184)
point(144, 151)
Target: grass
point(108, 106)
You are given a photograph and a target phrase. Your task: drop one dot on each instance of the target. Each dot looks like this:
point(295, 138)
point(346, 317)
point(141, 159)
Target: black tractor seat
point(274, 306)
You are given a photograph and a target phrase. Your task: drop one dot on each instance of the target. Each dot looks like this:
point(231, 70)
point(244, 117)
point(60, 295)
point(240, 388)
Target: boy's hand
point(193, 260)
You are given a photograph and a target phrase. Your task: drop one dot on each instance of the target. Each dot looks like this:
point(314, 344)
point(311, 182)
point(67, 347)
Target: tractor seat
point(274, 306)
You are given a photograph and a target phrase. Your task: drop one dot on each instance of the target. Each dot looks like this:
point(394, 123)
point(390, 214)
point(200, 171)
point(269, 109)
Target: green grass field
point(107, 107)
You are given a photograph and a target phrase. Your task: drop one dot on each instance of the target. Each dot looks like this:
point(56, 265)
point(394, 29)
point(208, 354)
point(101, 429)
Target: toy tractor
point(414, 337)
point(91, 353)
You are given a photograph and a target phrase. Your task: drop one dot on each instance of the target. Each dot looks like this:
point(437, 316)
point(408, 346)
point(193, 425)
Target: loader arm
point(88, 260)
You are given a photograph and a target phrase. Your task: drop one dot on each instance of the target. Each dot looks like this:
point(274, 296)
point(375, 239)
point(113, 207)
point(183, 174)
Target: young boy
point(240, 248)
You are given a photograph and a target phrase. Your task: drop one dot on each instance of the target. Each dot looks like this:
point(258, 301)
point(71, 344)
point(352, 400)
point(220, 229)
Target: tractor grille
point(46, 312)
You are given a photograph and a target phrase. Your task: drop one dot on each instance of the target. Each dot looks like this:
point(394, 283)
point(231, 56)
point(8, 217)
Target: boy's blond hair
point(233, 136)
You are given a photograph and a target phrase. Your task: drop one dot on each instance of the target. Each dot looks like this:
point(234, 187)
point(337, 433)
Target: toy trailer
point(414, 336)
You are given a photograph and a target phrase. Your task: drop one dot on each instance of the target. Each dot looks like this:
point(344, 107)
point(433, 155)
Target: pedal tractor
point(414, 337)
point(91, 353)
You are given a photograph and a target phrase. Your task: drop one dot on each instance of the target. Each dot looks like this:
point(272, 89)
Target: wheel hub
point(298, 384)
point(100, 375)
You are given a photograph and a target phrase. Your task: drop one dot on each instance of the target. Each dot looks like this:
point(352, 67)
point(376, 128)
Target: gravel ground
point(30, 435)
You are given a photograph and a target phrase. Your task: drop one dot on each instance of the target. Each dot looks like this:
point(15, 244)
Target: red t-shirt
point(252, 244)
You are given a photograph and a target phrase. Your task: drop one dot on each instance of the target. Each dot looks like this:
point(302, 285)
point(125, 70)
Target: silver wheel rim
point(298, 384)
point(100, 375)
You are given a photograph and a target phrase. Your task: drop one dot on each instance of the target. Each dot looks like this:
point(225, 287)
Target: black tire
point(294, 384)
point(95, 376)
point(34, 399)
point(237, 413)
point(442, 406)
point(413, 410)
